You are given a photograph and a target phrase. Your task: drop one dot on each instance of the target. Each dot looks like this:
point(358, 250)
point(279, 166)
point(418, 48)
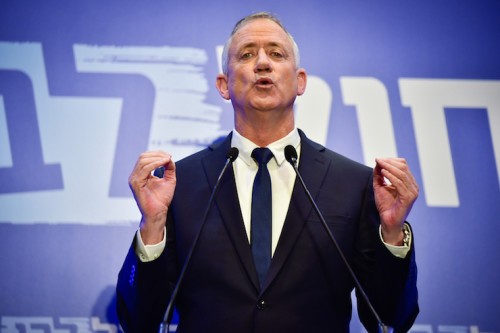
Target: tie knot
point(262, 155)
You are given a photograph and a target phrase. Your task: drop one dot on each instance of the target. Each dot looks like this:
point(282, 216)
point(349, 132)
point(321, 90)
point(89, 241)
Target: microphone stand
point(291, 156)
point(165, 324)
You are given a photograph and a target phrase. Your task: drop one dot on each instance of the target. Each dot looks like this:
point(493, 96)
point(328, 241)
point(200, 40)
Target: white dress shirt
point(282, 182)
point(282, 179)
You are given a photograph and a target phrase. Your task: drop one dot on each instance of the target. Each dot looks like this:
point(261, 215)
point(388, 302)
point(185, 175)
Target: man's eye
point(246, 55)
point(277, 54)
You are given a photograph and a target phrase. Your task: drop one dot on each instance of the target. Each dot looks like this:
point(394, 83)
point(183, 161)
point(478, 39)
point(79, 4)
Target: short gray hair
point(244, 21)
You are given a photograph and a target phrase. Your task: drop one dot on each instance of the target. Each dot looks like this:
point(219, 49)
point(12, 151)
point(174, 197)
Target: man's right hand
point(152, 194)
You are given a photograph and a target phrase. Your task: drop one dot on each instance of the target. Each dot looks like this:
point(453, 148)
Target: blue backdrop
point(86, 86)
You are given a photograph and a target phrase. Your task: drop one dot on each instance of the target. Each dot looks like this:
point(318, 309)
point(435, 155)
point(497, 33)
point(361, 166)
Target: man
point(305, 287)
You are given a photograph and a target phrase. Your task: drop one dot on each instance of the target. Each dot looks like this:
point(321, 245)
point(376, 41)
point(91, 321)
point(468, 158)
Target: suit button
point(262, 304)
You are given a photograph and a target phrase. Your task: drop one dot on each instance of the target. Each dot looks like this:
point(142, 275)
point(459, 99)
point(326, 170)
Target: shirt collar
point(246, 146)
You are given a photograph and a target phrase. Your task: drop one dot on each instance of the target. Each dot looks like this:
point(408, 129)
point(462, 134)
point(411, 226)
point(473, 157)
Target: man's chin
point(265, 103)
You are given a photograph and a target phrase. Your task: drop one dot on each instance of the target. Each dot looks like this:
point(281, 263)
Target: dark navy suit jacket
point(307, 288)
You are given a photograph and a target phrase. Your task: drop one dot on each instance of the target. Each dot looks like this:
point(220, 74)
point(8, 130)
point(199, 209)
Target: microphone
point(291, 156)
point(231, 156)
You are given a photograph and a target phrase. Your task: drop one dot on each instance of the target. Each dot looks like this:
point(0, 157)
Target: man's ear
point(221, 84)
point(301, 81)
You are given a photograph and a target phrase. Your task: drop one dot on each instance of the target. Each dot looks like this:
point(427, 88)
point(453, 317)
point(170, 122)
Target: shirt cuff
point(148, 253)
point(398, 251)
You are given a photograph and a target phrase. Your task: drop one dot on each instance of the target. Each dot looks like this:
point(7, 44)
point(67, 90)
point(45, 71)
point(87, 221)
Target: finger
point(397, 167)
point(397, 171)
point(378, 178)
point(151, 164)
point(384, 171)
point(148, 162)
point(402, 165)
point(406, 189)
point(147, 157)
point(393, 180)
point(169, 171)
point(405, 173)
point(392, 164)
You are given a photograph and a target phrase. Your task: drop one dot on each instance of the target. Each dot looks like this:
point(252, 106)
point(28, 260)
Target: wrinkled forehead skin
point(248, 20)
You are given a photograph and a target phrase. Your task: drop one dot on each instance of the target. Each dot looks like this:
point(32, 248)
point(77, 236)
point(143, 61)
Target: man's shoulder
point(346, 162)
point(218, 147)
point(339, 161)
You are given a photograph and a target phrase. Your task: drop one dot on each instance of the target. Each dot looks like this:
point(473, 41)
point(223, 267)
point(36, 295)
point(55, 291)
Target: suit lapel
point(313, 167)
point(228, 205)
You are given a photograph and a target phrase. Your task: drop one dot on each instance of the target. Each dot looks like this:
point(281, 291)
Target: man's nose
point(263, 63)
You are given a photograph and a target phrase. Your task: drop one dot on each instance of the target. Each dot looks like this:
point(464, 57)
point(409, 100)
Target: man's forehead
point(261, 30)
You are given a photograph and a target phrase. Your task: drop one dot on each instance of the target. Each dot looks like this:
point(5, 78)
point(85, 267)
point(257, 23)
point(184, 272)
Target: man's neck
point(264, 130)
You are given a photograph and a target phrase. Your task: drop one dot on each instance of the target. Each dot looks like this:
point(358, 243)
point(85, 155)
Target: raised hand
point(152, 194)
point(394, 200)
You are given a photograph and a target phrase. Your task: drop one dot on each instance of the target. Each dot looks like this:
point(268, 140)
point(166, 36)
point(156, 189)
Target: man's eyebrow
point(276, 44)
point(253, 44)
point(247, 45)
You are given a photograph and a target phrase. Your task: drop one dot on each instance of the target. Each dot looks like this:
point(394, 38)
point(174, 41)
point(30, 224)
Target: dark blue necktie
point(260, 230)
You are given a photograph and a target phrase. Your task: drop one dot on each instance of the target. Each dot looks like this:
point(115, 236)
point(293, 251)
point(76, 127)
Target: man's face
point(261, 70)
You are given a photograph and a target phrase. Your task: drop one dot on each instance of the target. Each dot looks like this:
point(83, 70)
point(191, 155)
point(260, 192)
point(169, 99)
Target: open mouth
point(264, 81)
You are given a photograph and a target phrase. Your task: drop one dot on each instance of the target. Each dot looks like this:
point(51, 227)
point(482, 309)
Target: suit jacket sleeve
point(389, 281)
point(142, 291)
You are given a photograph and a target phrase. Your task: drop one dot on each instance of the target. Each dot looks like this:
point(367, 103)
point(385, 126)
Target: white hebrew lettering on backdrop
point(180, 86)
point(55, 325)
point(80, 133)
point(371, 100)
point(427, 99)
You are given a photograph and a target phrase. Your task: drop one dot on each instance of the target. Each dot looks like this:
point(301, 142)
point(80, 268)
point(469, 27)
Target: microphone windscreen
point(232, 154)
point(290, 154)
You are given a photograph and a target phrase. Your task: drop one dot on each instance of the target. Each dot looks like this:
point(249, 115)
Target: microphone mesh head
point(290, 154)
point(232, 154)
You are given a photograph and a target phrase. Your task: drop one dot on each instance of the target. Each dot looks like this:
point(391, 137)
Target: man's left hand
point(395, 199)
